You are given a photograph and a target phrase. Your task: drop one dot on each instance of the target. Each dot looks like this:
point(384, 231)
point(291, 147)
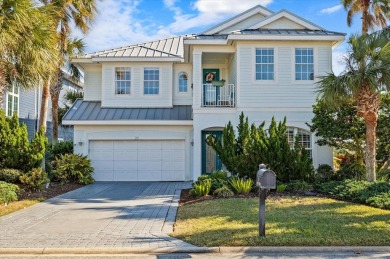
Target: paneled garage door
point(141, 160)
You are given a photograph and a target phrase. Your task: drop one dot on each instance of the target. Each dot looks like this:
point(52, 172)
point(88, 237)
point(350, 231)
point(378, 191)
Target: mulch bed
point(54, 189)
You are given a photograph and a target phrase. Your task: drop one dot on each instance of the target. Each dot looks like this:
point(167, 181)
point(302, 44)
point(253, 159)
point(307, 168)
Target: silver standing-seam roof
point(92, 111)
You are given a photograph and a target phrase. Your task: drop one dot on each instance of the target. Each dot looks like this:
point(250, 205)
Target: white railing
point(218, 96)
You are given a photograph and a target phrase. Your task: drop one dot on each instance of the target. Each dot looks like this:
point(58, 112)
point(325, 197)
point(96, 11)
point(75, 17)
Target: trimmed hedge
point(10, 175)
point(375, 194)
point(8, 192)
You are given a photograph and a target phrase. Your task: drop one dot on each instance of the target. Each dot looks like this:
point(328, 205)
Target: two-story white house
point(148, 108)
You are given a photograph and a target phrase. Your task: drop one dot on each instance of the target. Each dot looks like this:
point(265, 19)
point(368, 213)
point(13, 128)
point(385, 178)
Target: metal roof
point(171, 47)
point(92, 111)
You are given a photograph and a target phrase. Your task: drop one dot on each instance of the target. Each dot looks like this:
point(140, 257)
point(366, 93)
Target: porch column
point(197, 150)
point(197, 79)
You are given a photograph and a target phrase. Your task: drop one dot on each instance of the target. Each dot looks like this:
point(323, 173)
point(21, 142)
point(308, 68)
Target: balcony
point(218, 96)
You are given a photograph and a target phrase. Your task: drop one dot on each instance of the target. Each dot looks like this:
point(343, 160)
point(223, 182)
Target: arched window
point(304, 138)
point(183, 82)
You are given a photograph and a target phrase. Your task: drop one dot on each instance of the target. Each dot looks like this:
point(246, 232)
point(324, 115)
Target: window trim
point(143, 81)
point(296, 131)
point(315, 63)
point(12, 94)
point(273, 63)
point(131, 79)
point(276, 65)
point(178, 83)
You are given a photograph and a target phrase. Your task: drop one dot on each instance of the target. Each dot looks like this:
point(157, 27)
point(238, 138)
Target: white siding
point(182, 98)
point(137, 97)
point(233, 69)
point(93, 83)
point(244, 24)
point(283, 23)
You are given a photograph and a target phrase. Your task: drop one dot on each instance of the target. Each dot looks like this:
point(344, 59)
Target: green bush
point(8, 192)
point(224, 191)
point(384, 175)
point(281, 187)
point(10, 175)
point(73, 168)
point(324, 173)
point(299, 186)
point(240, 185)
point(61, 148)
point(35, 179)
point(374, 194)
point(201, 188)
point(351, 171)
point(218, 179)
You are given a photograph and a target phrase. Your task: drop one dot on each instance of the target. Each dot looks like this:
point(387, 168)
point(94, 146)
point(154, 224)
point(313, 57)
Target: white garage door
point(142, 160)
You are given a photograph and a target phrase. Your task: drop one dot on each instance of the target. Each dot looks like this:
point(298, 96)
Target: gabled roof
point(166, 48)
point(238, 18)
point(290, 16)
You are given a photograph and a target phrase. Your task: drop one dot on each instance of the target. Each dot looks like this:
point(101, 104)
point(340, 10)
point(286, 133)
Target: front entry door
point(210, 159)
point(210, 93)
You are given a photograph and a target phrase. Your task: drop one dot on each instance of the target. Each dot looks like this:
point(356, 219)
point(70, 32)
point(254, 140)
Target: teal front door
point(210, 159)
point(210, 93)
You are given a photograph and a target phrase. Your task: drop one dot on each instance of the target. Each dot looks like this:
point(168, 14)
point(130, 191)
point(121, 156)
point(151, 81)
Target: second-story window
point(151, 80)
point(183, 82)
point(304, 64)
point(13, 101)
point(264, 64)
point(122, 80)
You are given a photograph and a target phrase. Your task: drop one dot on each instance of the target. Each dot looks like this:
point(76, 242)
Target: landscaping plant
point(281, 187)
point(10, 175)
point(73, 168)
point(299, 186)
point(35, 179)
point(224, 192)
point(8, 192)
point(241, 185)
point(201, 188)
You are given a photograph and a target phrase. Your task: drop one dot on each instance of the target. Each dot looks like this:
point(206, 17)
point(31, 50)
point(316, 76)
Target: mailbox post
point(266, 179)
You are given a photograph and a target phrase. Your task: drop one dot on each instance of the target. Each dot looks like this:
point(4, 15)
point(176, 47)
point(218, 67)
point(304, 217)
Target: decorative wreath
point(209, 77)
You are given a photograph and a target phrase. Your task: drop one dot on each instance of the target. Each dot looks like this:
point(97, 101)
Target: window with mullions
point(304, 138)
point(183, 82)
point(264, 64)
point(13, 101)
point(304, 64)
point(151, 80)
point(122, 80)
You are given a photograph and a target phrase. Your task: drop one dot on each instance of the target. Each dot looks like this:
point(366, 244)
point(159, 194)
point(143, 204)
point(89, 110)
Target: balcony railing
point(218, 96)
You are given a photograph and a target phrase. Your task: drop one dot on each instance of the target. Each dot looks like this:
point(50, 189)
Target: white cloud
point(332, 9)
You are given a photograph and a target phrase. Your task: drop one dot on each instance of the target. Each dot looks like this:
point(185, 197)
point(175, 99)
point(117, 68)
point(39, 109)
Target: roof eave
point(288, 37)
point(137, 59)
point(129, 122)
point(205, 41)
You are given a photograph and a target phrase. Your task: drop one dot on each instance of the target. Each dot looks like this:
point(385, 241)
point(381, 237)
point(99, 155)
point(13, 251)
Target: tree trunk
point(365, 15)
point(44, 105)
point(55, 90)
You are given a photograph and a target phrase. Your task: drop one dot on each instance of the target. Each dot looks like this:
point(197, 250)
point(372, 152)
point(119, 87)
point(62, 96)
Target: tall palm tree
point(367, 74)
point(82, 13)
point(27, 41)
point(374, 12)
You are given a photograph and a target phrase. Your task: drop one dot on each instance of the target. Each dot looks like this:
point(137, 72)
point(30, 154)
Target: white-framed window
point(122, 80)
point(265, 66)
point(13, 101)
point(304, 138)
point(304, 64)
point(151, 80)
point(183, 82)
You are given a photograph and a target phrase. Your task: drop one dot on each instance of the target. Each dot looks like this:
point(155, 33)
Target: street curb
point(187, 250)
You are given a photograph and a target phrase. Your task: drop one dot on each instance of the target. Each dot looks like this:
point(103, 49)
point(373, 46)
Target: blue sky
point(126, 22)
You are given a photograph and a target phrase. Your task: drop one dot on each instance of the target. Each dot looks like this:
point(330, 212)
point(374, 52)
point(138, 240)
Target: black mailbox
point(266, 179)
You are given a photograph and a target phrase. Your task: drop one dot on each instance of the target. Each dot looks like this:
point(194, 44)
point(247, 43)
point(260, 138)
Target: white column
point(197, 150)
point(197, 79)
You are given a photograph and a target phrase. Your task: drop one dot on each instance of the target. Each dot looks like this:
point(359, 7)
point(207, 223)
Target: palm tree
point(82, 13)
point(367, 74)
point(374, 12)
point(27, 41)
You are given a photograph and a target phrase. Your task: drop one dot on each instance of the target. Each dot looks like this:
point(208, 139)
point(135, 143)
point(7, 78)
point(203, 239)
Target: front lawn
point(301, 221)
point(16, 205)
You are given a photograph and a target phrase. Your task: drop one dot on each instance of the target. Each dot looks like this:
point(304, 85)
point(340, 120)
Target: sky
point(126, 22)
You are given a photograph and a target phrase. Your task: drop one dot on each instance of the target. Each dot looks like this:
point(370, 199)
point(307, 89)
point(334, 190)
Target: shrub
point(73, 168)
point(281, 187)
point(218, 179)
point(375, 194)
point(61, 148)
point(299, 186)
point(224, 191)
point(351, 171)
point(10, 175)
point(201, 188)
point(8, 192)
point(240, 185)
point(35, 179)
point(384, 175)
point(324, 173)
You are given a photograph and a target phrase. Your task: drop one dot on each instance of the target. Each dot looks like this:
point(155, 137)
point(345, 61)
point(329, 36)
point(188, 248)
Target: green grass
point(301, 221)
point(17, 205)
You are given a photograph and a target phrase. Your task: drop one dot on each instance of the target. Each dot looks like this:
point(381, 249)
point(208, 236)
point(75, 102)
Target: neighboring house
point(27, 103)
point(148, 108)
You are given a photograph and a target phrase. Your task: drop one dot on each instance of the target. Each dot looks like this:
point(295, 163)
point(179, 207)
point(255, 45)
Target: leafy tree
point(367, 74)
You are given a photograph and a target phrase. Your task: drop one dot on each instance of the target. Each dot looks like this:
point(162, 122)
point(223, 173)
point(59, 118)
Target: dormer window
point(122, 80)
point(183, 82)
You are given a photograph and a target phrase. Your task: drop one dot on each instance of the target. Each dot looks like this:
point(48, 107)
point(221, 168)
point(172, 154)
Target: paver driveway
point(115, 214)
